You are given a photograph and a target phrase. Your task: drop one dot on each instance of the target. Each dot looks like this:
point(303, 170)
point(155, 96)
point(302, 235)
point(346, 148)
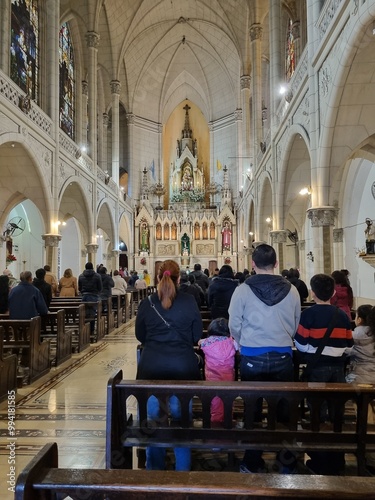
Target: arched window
point(24, 47)
point(166, 231)
point(66, 82)
point(290, 56)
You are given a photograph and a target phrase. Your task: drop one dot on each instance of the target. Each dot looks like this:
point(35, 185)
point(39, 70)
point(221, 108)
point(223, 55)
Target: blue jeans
point(155, 456)
point(273, 367)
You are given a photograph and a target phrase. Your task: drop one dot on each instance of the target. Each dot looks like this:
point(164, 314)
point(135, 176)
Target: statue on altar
point(187, 181)
point(185, 244)
point(145, 235)
point(226, 235)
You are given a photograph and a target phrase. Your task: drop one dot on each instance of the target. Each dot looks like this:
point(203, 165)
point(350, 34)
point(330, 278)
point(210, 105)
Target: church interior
point(136, 131)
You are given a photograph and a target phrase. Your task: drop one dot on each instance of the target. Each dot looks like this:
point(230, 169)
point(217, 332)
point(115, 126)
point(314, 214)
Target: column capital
point(245, 81)
point(92, 39)
point(238, 114)
point(51, 240)
point(322, 216)
point(115, 87)
point(301, 244)
point(92, 247)
point(256, 32)
point(278, 236)
point(105, 119)
point(130, 117)
point(338, 235)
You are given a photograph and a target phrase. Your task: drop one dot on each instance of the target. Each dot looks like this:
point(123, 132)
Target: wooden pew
point(41, 479)
point(8, 370)
point(24, 338)
point(119, 308)
point(53, 328)
point(239, 431)
point(75, 324)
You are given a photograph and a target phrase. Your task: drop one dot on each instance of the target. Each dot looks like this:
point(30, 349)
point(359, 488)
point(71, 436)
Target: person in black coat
point(44, 287)
point(108, 284)
point(187, 287)
point(220, 292)
point(294, 279)
point(168, 324)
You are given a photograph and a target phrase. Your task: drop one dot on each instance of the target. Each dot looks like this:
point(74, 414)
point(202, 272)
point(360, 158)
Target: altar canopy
point(186, 177)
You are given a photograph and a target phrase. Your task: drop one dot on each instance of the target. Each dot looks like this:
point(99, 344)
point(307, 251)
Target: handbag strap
point(157, 312)
point(315, 357)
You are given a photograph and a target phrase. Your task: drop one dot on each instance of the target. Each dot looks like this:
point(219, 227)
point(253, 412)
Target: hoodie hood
point(88, 273)
point(270, 289)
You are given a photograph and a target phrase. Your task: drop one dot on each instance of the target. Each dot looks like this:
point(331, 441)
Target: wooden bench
point(43, 480)
point(8, 370)
point(75, 323)
point(23, 337)
point(53, 328)
point(239, 431)
point(119, 308)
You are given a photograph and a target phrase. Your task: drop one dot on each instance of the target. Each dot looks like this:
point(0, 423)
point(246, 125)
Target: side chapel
point(196, 222)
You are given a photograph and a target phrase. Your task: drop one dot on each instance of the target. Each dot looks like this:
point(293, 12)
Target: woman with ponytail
point(168, 324)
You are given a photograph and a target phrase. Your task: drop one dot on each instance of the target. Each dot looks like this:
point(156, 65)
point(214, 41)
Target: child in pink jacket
point(219, 353)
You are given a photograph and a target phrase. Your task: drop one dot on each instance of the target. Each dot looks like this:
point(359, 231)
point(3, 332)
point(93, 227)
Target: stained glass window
point(66, 89)
point(24, 47)
point(290, 59)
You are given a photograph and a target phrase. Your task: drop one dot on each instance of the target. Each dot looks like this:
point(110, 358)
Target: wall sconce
point(310, 256)
point(305, 190)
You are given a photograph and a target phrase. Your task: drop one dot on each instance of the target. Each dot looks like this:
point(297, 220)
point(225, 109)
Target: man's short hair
point(89, 265)
point(40, 273)
point(323, 286)
point(197, 267)
point(264, 256)
point(184, 278)
point(26, 276)
point(47, 268)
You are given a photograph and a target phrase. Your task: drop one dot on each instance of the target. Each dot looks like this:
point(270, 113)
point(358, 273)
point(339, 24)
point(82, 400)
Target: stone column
point(301, 244)
point(256, 32)
point(338, 254)
point(276, 76)
point(132, 187)
point(279, 239)
point(239, 169)
point(115, 91)
point(5, 8)
point(245, 82)
point(92, 39)
point(213, 169)
point(104, 151)
point(84, 109)
point(322, 220)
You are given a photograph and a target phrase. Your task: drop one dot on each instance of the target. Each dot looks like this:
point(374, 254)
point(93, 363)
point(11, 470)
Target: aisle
point(68, 406)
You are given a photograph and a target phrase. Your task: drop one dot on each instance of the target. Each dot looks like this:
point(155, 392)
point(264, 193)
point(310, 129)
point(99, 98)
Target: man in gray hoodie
point(264, 314)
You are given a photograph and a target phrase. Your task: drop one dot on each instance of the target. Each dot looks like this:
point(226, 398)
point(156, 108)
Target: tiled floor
point(68, 406)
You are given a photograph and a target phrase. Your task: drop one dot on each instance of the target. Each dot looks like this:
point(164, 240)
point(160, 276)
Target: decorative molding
point(105, 119)
point(238, 114)
point(256, 32)
point(338, 235)
point(369, 259)
point(115, 86)
point(25, 103)
point(51, 240)
point(92, 39)
point(85, 88)
point(130, 117)
point(325, 80)
point(279, 236)
point(83, 253)
point(322, 216)
point(301, 244)
point(245, 82)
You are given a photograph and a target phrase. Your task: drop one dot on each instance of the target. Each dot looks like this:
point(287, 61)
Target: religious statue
point(185, 244)
point(226, 236)
point(370, 237)
point(144, 246)
point(187, 178)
